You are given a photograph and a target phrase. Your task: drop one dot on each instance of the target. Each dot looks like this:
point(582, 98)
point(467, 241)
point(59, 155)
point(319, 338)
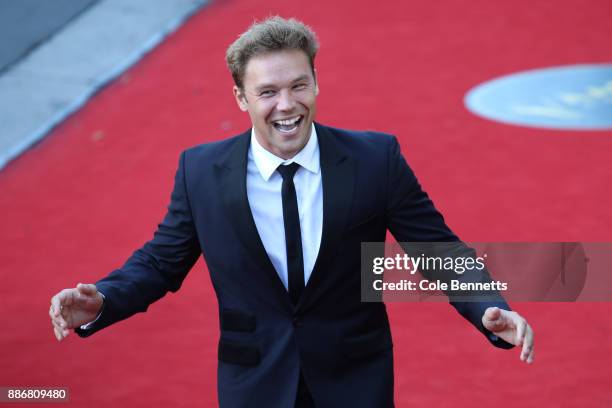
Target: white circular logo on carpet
point(577, 97)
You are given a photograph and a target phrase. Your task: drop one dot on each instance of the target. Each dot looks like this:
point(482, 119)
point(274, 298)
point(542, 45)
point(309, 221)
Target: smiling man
point(279, 213)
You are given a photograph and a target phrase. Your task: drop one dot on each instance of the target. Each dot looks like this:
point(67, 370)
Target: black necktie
point(293, 234)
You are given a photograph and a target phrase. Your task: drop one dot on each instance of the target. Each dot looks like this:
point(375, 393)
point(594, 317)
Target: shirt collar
point(267, 162)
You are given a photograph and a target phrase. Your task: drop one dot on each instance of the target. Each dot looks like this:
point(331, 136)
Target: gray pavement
point(24, 24)
point(58, 69)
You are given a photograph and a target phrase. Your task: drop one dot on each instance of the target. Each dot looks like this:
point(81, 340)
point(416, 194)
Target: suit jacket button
point(297, 322)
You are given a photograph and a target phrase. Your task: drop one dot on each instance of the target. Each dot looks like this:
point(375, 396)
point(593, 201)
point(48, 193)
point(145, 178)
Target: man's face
point(279, 93)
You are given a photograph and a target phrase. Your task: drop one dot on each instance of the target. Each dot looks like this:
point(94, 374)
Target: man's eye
point(299, 87)
point(266, 93)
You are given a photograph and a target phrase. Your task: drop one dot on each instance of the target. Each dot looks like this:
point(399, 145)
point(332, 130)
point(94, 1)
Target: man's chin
point(289, 148)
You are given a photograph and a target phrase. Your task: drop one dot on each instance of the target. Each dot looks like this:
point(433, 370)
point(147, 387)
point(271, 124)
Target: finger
point(528, 344)
point(55, 314)
point(87, 289)
point(531, 357)
point(492, 313)
point(56, 304)
point(63, 298)
point(58, 328)
point(493, 319)
point(59, 304)
point(520, 324)
point(57, 321)
point(68, 296)
point(58, 334)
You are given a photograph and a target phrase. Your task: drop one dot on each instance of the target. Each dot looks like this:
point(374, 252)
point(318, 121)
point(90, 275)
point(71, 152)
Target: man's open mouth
point(288, 125)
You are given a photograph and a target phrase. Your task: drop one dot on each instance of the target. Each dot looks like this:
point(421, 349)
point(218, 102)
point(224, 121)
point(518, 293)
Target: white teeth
point(287, 122)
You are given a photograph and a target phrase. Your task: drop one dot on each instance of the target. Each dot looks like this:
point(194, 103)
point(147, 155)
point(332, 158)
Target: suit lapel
point(232, 173)
point(338, 179)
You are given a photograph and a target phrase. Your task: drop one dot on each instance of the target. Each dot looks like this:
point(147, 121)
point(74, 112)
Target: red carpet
point(76, 205)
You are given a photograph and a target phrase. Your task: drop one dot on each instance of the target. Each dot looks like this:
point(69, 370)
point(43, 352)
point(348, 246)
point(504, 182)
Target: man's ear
point(316, 79)
point(240, 98)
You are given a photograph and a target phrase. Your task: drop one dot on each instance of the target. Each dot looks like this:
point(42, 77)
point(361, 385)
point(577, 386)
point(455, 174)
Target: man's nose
point(285, 101)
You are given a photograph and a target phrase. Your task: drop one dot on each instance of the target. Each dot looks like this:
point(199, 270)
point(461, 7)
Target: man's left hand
point(511, 327)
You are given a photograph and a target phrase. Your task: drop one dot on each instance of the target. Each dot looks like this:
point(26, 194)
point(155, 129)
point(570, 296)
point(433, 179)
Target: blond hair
point(273, 34)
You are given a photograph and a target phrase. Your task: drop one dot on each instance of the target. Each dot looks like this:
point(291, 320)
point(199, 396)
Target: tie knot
point(288, 171)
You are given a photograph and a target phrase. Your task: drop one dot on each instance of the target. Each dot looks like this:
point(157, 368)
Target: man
point(279, 213)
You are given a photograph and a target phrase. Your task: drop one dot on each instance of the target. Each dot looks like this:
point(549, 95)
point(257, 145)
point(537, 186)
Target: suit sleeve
point(158, 267)
point(412, 217)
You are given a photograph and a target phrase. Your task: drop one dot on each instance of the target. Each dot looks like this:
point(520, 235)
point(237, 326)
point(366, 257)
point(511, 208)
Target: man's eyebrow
point(264, 86)
point(272, 86)
point(301, 78)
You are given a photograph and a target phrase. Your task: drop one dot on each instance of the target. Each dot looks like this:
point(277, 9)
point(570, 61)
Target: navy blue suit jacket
point(342, 346)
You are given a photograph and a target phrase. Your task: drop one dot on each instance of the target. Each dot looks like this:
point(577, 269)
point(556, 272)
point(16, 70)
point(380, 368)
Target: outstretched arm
point(153, 270)
point(413, 218)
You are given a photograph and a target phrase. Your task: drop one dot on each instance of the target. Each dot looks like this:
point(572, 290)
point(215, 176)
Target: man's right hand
point(74, 307)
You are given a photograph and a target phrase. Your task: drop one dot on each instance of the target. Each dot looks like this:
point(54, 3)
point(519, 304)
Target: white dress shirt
point(264, 193)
